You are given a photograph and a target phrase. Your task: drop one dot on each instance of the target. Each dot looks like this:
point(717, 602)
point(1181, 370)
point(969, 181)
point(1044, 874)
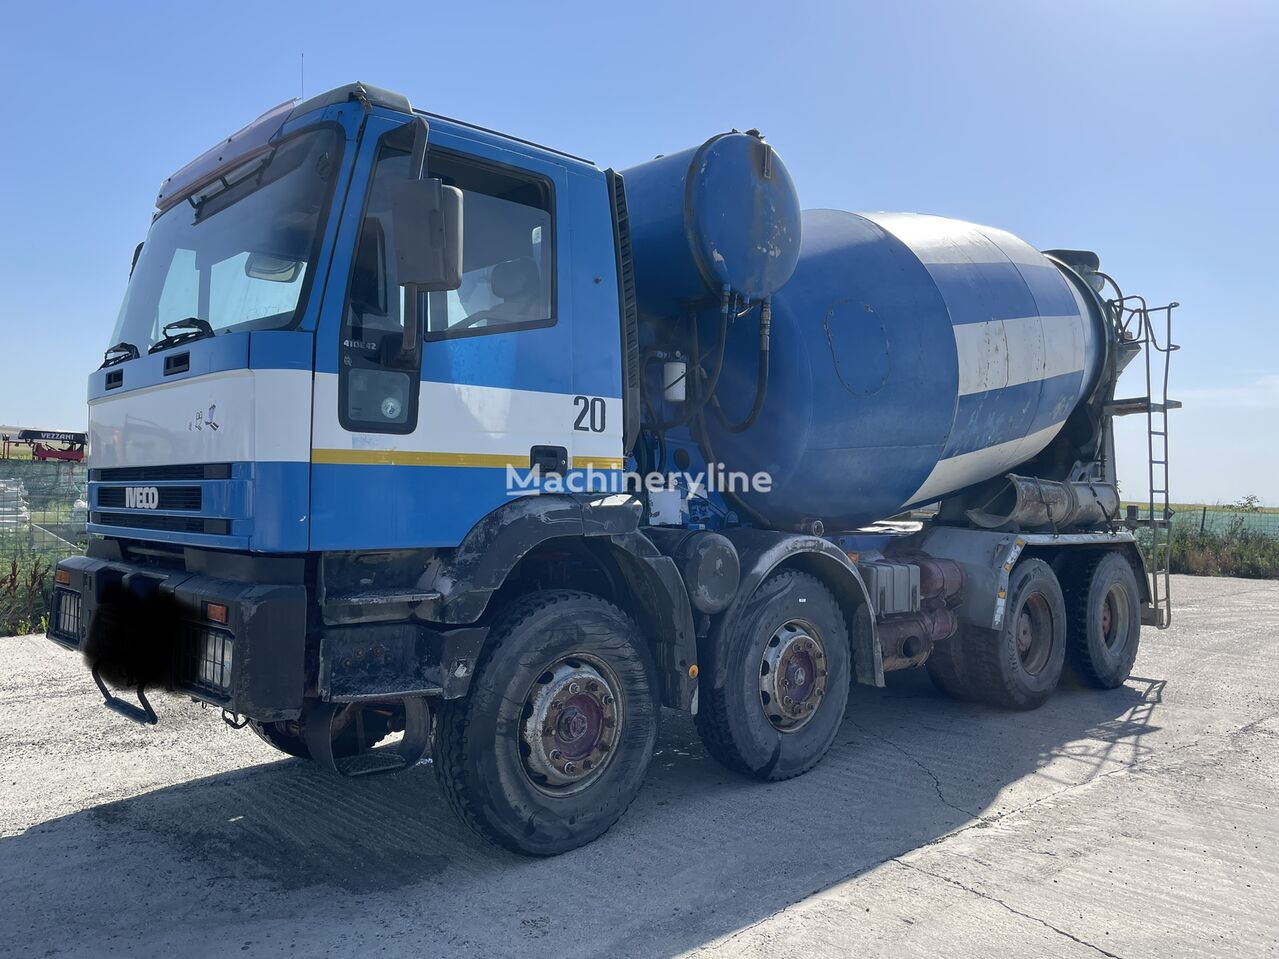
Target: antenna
point(302, 94)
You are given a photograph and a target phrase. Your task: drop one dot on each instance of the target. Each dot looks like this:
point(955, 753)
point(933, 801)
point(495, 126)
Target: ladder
point(1149, 329)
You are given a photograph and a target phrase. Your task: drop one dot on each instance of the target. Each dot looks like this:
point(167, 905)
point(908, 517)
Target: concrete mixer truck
point(418, 439)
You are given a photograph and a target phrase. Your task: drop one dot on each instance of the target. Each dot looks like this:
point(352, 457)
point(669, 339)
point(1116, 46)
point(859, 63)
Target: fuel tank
point(912, 356)
point(724, 214)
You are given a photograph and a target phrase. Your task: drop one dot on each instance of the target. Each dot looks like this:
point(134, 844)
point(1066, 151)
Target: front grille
point(207, 661)
point(171, 497)
point(66, 615)
point(151, 474)
point(171, 524)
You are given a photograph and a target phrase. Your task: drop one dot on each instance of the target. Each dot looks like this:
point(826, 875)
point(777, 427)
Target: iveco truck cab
point(361, 454)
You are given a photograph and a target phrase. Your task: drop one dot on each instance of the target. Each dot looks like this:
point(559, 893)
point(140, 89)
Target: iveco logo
point(141, 497)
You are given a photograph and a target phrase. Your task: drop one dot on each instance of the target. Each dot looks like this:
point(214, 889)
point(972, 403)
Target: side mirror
point(277, 269)
point(426, 217)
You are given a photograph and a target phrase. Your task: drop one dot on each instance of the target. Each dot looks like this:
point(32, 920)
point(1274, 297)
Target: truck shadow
point(701, 853)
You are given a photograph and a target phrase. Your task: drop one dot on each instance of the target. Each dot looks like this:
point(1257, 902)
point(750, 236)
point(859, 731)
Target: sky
point(1147, 131)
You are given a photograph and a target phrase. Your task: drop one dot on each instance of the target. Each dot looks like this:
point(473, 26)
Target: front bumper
point(249, 659)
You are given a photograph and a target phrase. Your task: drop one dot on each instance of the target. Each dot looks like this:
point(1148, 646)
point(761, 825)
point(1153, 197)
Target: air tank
point(723, 214)
point(911, 357)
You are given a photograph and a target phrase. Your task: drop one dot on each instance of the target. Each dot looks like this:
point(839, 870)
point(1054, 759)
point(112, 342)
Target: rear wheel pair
point(553, 741)
point(1095, 624)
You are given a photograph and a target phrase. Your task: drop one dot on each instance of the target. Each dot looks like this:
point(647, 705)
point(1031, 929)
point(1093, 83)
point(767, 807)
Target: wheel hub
point(1034, 627)
point(792, 676)
point(571, 725)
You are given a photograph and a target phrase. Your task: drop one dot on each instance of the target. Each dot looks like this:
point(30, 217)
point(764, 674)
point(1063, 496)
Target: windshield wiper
point(192, 328)
point(118, 354)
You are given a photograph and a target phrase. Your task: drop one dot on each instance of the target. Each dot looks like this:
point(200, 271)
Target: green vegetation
point(1238, 546)
point(25, 586)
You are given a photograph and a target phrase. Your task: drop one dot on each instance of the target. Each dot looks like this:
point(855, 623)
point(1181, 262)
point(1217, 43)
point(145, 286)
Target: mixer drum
point(912, 356)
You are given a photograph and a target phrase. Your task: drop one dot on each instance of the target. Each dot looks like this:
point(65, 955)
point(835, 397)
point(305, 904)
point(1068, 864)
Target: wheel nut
point(570, 767)
point(608, 700)
point(556, 754)
point(574, 688)
point(592, 686)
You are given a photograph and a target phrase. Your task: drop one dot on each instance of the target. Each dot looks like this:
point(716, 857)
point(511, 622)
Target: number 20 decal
point(590, 414)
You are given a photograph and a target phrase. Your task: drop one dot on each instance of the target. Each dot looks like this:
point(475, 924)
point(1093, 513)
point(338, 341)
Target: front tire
point(1105, 621)
point(551, 744)
point(785, 673)
point(1019, 665)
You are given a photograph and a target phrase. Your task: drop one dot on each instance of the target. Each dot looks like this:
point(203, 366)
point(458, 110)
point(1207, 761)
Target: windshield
point(238, 253)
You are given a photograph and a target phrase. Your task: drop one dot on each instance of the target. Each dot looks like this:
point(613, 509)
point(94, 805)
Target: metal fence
point(43, 515)
point(43, 508)
point(1225, 520)
point(1240, 539)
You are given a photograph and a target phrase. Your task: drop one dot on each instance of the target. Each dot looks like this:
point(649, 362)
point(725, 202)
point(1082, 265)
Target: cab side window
point(508, 263)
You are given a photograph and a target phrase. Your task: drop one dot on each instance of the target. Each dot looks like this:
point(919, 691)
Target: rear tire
point(791, 638)
point(947, 667)
point(1019, 665)
point(1104, 621)
point(551, 744)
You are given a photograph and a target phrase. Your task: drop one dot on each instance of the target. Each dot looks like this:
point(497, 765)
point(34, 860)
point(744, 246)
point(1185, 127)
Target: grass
point(1236, 551)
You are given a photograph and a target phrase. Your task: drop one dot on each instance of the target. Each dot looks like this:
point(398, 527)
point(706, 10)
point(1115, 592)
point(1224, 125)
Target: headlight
point(215, 659)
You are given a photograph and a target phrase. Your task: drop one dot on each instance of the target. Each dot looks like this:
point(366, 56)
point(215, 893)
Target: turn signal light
point(215, 613)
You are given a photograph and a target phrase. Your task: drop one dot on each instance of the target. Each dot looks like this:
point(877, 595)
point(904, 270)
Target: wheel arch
point(1066, 558)
point(762, 553)
point(541, 541)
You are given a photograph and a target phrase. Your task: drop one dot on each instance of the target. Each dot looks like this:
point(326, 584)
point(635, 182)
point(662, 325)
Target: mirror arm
point(412, 318)
point(417, 169)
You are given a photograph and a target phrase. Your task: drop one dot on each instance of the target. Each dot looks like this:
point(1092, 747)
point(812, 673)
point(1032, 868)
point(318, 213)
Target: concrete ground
point(1135, 822)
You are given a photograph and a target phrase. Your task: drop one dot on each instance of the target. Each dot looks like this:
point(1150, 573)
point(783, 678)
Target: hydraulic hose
point(761, 376)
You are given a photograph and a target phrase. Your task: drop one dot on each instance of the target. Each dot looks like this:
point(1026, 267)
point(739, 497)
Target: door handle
point(548, 459)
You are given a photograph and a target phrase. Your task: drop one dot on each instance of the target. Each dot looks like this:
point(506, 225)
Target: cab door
point(413, 449)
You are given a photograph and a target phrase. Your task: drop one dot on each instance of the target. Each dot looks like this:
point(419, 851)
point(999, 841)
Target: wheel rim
point(792, 676)
point(572, 722)
point(1034, 631)
point(1116, 618)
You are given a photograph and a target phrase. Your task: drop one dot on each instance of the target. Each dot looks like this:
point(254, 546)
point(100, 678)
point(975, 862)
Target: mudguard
point(761, 552)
